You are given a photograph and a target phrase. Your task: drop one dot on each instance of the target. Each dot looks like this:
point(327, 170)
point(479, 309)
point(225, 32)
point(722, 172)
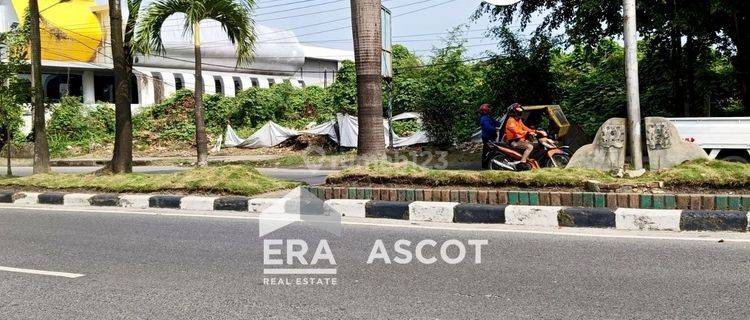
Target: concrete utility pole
point(631, 70)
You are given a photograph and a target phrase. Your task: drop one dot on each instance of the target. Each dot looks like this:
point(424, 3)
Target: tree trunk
point(738, 24)
point(366, 29)
point(122, 157)
point(41, 147)
point(9, 148)
point(675, 53)
point(690, 61)
point(201, 140)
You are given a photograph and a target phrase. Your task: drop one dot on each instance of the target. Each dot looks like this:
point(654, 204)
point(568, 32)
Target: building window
point(104, 88)
point(237, 85)
point(59, 85)
point(158, 87)
point(301, 83)
point(255, 82)
point(219, 85)
point(179, 83)
point(271, 82)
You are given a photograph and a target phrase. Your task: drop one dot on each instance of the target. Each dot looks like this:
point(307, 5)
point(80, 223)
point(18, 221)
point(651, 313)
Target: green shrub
point(72, 125)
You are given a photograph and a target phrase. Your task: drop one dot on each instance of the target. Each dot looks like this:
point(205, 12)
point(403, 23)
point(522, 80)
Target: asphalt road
point(176, 267)
point(312, 177)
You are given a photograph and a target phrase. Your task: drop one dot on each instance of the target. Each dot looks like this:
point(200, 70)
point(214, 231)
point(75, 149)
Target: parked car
point(722, 138)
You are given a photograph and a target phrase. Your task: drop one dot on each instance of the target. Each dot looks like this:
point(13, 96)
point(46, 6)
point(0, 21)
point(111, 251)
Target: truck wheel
point(735, 159)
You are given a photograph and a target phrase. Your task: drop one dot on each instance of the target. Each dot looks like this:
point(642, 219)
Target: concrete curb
point(418, 211)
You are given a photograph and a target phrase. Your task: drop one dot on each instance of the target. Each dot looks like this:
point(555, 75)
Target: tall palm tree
point(235, 20)
point(366, 29)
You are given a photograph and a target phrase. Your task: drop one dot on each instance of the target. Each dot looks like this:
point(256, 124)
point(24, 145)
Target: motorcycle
point(547, 153)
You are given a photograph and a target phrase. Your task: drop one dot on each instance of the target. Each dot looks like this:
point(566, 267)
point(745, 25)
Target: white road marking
point(42, 272)
point(562, 232)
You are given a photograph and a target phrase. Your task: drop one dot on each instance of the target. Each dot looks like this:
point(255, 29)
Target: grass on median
point(230, 179)
point(699, 173)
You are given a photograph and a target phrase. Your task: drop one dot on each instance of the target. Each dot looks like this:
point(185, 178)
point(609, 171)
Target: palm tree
point(41, 146)
point(366, 30)
point(235, 20)
point(122, 54)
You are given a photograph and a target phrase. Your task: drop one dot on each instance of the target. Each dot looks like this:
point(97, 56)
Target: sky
point(418, 24)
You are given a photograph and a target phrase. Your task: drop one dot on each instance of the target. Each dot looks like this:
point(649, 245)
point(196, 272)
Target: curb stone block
point(611, 200)
point(400, 195)
point(387, 209)
point(419, 195)
point(165, 202)
point(502, 197)
point(26, 198)
point(463, 196)
point(658, 201)
point(258, 205)
point(454, 197)
point(708, 202)
point(197, 203)
point(6, 197)
point(576, 199)
point(347, 207)
point(445, 195)
point(683, 201)
point(634, 200)
point(351, 193)
point(479, 213)
point(566, 199)
point(533, 198)
point(588, 199)
point(55, 198)
point(586, 217)
point(746, 203)
point(532, 215)
point(670, 201)
point(472, 197)
point(524, 199)
point(231, 203)
point(622, 200)
point(105, 200)
point(555, 198)
point(696, 202)
point(714, 221)
point(735, 202)
point(492, 197)
point(544, 199)
point(410, 195)
point(136, 201)
point(77, 199)
point(482, 197)
point(513, 197)
point(647, 201)
point(647, 219)
point(360, 193)
point(600, 200)
point(431, 211)
point(392, 195)
point(328, 193)
point(722, 202)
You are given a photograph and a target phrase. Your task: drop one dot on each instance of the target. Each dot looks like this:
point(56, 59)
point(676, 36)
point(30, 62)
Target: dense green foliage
point(13, 90)
point(73, 125)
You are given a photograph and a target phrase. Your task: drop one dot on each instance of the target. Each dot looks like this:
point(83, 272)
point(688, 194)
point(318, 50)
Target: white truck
point(722, 138)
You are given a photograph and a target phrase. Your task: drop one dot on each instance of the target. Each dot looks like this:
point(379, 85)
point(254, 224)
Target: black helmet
point(516, 109)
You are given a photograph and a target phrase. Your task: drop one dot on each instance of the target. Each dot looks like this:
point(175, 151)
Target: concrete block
point(77, 199)
point(231, 203)
point(665, 146)
point(348, 207)
point(532, 216)
point(165, 202)
point(607, 152)
point(683, 201)
point(198, 203)
point(54, 198)
point(586, 217)
point(136, 201)
point(646, 219)
point(26, 198)
point(387, 209)
point(431, 211)
point(479, 213)
point(105, 200)
point(258, 205)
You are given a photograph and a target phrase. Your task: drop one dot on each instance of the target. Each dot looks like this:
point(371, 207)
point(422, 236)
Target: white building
point(77, 57)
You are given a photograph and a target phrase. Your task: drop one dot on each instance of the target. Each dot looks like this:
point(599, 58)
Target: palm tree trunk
point(41, 146)
point(122, 157)
point(201, 139)
point(366, 29)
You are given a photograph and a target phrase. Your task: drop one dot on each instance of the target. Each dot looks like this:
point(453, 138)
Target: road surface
point(140, 266)
point(312, 177)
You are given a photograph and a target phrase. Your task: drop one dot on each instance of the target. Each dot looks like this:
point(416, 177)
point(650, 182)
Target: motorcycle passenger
point(516, 132)
point(490, 128)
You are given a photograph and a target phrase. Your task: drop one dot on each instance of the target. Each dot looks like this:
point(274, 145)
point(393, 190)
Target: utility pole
point(41, 147)
point(633, 91)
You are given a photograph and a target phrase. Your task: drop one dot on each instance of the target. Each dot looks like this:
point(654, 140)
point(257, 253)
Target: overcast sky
point(418, 24)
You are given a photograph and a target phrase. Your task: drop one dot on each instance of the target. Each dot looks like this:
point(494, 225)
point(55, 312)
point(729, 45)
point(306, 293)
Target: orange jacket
point(516, 130)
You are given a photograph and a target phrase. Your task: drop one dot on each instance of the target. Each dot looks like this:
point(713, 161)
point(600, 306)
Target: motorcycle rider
point(516, 132)
point(490, 128)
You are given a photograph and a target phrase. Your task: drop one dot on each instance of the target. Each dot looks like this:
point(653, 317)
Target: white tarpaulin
point(269, 135)
point(272, 134)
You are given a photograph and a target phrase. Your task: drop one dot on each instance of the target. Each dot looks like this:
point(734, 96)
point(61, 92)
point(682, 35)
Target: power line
point(422, 9)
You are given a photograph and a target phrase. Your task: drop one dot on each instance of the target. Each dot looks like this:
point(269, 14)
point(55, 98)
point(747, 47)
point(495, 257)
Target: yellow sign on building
point(70, 31)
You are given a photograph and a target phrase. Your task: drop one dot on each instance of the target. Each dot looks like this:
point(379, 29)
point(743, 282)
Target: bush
point(71, 125)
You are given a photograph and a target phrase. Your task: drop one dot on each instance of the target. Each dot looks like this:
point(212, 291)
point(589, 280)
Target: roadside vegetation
point(231, 179)
point(700, 173)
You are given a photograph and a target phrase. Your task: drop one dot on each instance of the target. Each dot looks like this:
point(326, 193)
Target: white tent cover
point(272, 134)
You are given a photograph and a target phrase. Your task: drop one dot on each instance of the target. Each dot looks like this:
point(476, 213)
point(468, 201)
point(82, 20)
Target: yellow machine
point(557, 120)
point(70, 31)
